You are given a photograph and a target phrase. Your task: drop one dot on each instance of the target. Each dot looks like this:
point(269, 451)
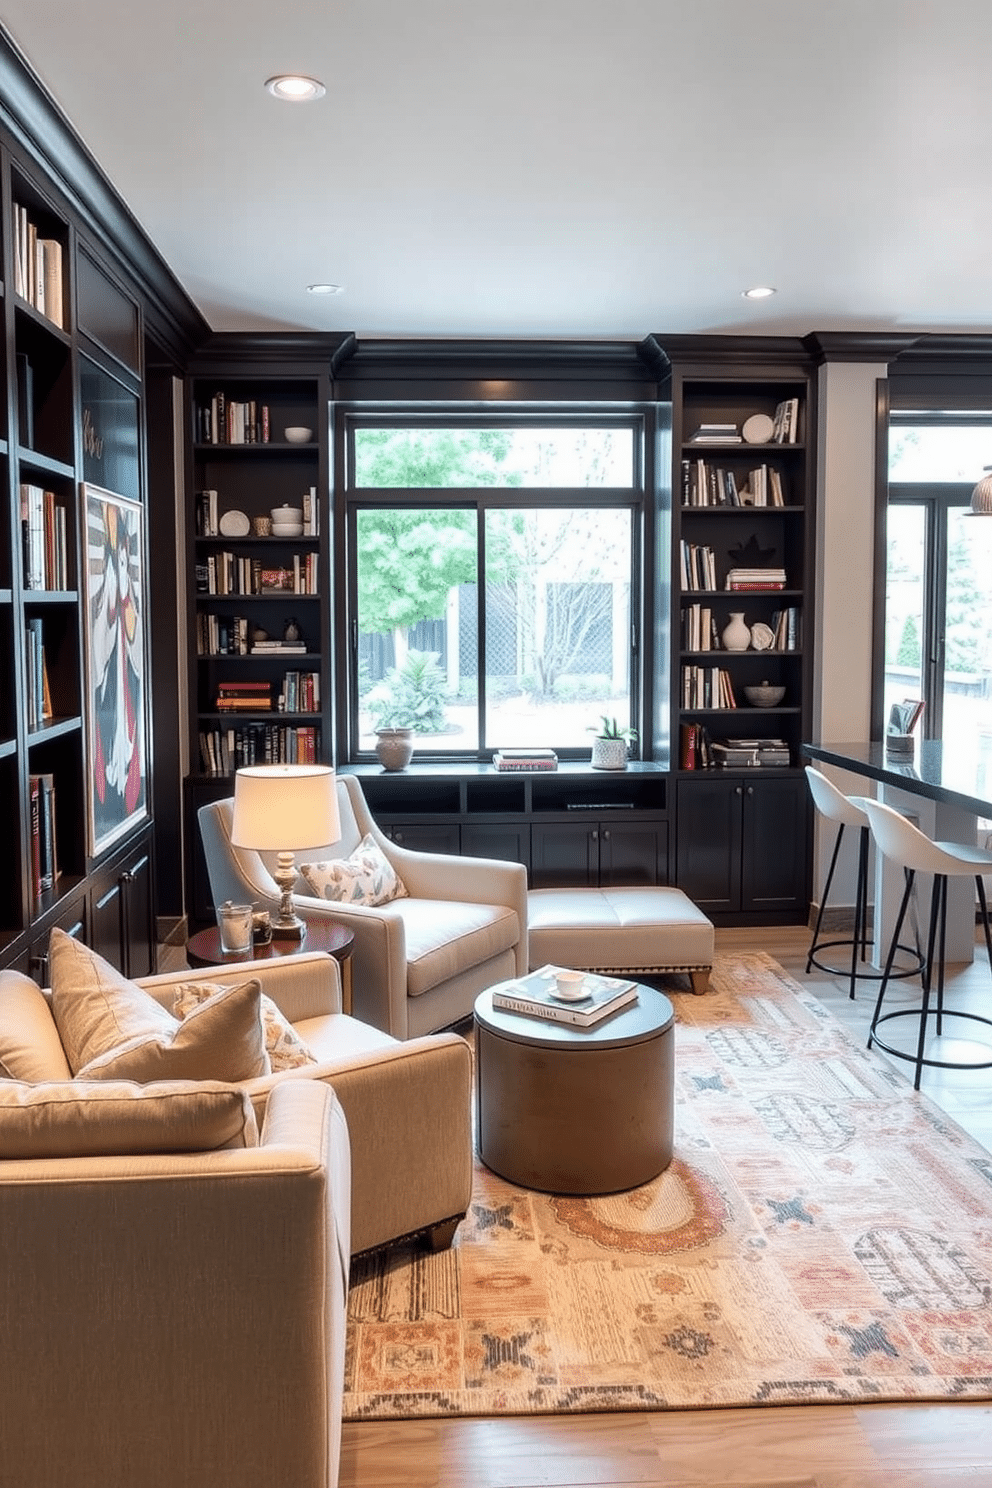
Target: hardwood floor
point(911, 1446)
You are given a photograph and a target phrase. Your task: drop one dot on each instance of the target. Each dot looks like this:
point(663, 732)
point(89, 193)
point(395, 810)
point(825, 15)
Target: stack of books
point(756, 578)
point(786, 422)
point(244, 697)
point(716, 433)
point(535, 997)
point(525, 759)
point(735, 753)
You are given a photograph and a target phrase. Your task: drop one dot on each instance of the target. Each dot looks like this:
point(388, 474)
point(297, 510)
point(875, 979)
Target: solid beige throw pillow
point(120, 1118)
point(285, 1048)
point(112, 1029)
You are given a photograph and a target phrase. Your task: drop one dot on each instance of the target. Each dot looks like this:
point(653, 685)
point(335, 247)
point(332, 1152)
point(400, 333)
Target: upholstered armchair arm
point(152, 1309)
point(302, 986)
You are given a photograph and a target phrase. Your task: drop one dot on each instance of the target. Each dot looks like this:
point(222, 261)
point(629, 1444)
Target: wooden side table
point(203, 949)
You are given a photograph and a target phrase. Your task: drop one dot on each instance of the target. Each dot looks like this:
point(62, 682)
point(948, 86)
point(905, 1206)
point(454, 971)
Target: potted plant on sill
point(609, 748)
point(409, 701)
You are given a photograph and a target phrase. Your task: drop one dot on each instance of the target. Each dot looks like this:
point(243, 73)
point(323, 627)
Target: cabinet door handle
point(397, 836)
point(738, 790)
point(606, 834)
point(750, 790)
point(594, 834)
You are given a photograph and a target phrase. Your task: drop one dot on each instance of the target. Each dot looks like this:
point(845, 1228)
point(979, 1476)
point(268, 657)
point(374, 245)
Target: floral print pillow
point(367, 877)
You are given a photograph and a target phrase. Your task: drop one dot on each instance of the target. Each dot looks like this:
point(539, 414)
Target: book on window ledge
point(525, 759)
point(534, 996)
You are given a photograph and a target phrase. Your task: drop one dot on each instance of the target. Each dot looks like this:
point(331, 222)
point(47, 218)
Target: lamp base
point(292, 929)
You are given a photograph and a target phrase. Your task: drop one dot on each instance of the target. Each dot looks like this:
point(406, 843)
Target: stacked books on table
point(525, 759)
point(733, 753)
point(715, 433)
point(534, 995)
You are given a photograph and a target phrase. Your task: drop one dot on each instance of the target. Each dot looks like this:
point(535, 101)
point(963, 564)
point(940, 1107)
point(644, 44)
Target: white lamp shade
point(280, 808)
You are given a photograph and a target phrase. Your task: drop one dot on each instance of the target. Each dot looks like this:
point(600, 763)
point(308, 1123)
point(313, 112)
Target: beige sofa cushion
point(285, 1048)
point(30, 1047)
point(120, 1118)
point(445, 937)
point(112, 1029)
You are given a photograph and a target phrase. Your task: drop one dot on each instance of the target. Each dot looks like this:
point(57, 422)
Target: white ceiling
point(580, 168)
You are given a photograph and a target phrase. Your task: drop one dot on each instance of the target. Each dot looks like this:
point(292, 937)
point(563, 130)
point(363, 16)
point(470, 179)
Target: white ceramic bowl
point(280, 531)
point(284, 514)
point(297, 434)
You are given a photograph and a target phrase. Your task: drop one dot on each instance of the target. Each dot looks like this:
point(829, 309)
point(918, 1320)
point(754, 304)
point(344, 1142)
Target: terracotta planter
point(394, 747)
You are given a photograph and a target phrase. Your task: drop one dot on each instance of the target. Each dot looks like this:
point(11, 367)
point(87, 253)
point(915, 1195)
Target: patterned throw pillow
point(367, 877)
point(285, 1048)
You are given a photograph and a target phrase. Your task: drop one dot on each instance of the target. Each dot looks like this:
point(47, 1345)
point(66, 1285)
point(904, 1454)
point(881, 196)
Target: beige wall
point(845, 555)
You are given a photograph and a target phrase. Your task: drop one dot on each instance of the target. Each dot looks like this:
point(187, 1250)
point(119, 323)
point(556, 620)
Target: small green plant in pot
point(409, 701)
point(609, 748)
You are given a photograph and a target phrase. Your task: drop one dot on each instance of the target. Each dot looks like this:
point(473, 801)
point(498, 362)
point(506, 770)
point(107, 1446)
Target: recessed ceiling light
point(759, 292)
point(293, 88)
point(325, 289)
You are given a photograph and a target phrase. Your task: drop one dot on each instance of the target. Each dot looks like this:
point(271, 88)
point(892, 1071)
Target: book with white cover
point(535, 996)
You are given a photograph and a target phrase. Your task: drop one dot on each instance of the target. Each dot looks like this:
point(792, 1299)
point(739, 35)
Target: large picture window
point(492, 582)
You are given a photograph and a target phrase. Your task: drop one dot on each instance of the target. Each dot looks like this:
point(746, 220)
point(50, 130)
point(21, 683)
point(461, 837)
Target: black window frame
point(638, 418)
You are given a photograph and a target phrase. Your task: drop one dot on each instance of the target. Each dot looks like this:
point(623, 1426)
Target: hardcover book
point(534, 995)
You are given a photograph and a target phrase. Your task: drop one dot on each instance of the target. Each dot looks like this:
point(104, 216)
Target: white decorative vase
point(737, 635)
point(394, 747)
point(609, 754)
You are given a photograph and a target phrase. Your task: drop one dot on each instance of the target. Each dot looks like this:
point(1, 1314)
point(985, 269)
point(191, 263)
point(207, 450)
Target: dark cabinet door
point(507, 841)
point(437, 837)
point(564, 855)
point(775, 871)
point(122, 914)
point(633, 853)
point(709, 831)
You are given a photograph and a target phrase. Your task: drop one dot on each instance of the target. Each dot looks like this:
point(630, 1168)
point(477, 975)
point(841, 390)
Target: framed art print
point(116, 728)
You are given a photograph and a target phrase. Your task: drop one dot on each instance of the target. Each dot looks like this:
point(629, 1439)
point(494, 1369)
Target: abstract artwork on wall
point(117, 786)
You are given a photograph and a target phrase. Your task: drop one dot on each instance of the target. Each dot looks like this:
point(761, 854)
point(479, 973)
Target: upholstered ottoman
point(633, 931)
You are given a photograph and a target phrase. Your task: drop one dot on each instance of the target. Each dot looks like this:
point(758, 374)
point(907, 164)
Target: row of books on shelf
point(224, 750)
point(525, 759)
point(707, 687)
point(209, 519)
point(236, 635)
point(44, 538)
point(231, 573)
point(299, 692)
point(44, 851)
point(698, 564)
point(225, 420)
point(700, 631)
point(711, 485)
point(39, 695)
point(38, 268)
point(698, 750)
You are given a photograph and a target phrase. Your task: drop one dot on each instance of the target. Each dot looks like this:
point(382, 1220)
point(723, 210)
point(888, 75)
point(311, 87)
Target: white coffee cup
point(570, 983)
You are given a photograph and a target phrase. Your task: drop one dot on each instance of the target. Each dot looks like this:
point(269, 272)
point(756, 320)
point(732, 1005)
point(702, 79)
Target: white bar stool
point(848, 811)
point(904, 844)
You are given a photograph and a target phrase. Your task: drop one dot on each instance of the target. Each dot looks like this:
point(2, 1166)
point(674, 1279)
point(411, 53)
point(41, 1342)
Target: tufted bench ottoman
point(642, 931)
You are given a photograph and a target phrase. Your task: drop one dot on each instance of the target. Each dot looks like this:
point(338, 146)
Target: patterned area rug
point(823, 1234)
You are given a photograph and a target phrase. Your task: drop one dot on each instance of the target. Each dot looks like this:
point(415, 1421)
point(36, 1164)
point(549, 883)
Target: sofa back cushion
point(120, 1118)
point(30, 1047)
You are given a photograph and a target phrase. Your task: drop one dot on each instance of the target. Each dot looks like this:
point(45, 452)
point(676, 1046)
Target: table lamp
point(281, 809)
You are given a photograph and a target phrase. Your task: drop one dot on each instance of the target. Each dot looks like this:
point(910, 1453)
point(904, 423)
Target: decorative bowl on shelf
point(297, 434)
point(764, 695)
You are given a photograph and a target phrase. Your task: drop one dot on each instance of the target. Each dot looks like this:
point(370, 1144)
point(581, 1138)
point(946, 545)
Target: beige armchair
point(420, 961)
point(407, 1104)
point(178, 1317)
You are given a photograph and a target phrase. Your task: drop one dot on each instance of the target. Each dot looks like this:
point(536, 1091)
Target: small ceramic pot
point(609, 754)
point(394, 747)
